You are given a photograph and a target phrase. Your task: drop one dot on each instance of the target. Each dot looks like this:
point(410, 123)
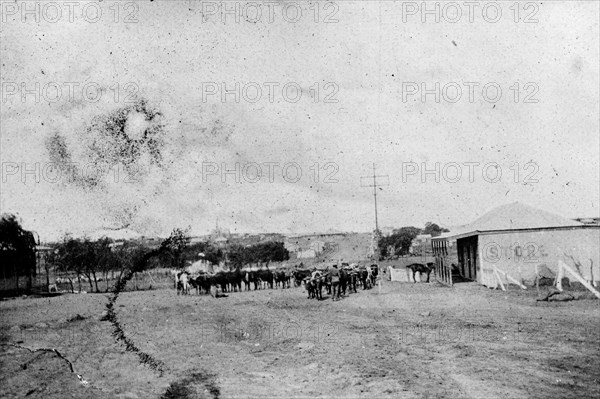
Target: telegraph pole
point(383, 181)
point(375, 197)
point(375, 181)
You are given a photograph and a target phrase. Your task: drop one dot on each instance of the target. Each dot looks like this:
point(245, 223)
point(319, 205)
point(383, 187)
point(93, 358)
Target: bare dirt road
point(407, 341)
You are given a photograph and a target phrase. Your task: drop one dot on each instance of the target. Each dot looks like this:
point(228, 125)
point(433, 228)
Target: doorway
point(468, 257)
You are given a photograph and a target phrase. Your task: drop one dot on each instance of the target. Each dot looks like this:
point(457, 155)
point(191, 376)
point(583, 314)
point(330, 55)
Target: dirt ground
point(405, 341)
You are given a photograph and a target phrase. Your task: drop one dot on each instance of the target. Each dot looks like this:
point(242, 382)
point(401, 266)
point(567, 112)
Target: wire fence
point(57, 282)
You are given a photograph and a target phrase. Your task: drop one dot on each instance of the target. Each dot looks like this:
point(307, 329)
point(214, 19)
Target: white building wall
point(518, 253)
point(309, 253)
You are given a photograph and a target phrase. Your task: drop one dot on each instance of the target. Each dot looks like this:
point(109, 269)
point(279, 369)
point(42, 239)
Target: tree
point(73, 256)
point(106, 260)
point(400, 241)
point(17, 249)
point(264, 252)
point(84, 257)
point(87, 258)
point(276, 252)
point(130, 257)
point(174, 246)
point(433, 229)
point(238, 255)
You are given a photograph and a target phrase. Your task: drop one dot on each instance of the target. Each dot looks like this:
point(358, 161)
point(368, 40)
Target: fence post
point(498, 278)
point(579, 278)
point(559, 277)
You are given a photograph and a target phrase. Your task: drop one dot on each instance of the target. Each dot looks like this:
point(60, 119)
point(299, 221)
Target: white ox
point(182, 281)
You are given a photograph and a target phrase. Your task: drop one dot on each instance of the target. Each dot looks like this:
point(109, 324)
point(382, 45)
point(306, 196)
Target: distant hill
point(341, 247)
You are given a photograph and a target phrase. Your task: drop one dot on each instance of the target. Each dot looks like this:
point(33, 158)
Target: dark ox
point(265, 276)
point(348, 279)
point(299, 275)
point(363, 276)
point(228, 281)
point(422, 269)
point(314, 287)
point(202, 283)
point(282, 279)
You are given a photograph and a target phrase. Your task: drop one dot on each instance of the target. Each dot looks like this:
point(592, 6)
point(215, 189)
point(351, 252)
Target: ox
point(202, 283)
point(421, 268)
point(363, 277)
point(281, 278)
point(299, 275)
point(182, 283)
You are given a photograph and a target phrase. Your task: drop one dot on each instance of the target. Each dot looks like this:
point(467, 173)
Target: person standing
point(335, 282)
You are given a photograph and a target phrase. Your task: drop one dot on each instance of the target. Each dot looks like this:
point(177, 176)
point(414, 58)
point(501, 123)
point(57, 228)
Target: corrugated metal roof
point(513, 216)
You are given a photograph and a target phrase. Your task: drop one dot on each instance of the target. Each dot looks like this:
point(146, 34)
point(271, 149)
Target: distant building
point(221, 241)
point(306, 253)
point(329, 233)
point(306, 246)
point(219, 232)
point(317, 246)
point(272, 237)
point(291, 246)
point(197, 239)
point(421, 245)
point(386, 231)
point(595, 221)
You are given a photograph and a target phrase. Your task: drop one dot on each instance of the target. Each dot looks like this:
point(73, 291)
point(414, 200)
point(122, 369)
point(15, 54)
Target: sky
point(461, 110)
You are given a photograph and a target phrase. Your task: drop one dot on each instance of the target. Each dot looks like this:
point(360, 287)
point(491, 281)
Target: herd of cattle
point(231, 281)
point(346, 279)
point(314, 281)
point(337, 284)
